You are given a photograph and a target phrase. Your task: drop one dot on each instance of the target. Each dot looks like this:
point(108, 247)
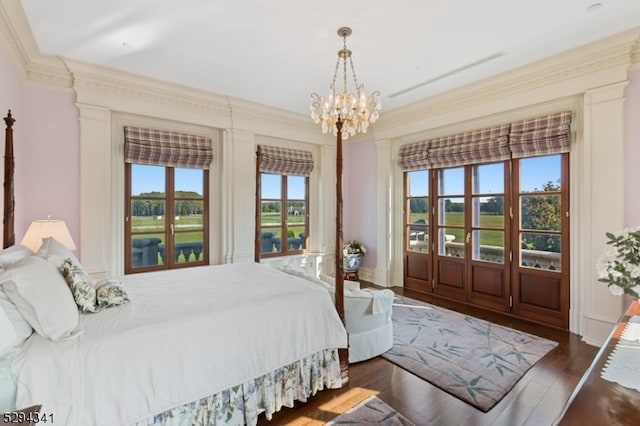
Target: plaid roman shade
point(166, 148)
point(284, 161)
point(414, 156)
point(543, 135)
point(477, 146)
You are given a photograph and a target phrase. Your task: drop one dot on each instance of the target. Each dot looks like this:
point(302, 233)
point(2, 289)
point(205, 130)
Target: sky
point(151, 178)
point(271, 186)
point(534, 173)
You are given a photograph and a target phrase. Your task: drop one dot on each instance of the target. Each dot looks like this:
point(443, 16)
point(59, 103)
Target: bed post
point(8, 235)
point(343, 353)
point(257, 221)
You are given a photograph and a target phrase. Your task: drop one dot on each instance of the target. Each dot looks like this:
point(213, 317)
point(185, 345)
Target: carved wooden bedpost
point(339, 280)
point(8, 235)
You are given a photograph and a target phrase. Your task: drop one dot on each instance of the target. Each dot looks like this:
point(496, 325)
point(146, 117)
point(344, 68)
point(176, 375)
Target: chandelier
point(353, 111)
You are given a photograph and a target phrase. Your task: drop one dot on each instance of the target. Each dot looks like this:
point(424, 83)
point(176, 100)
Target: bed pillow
point(42, 296)
point(110, 292)
point(14, 254)
point(14, 329)
point(55, 252)
point(81, 285)
point(7, 386)
point(7, 333)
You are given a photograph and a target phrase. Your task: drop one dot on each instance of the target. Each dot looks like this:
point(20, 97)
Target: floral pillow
point(92, 297)
point(81, 285)
point(110, 292)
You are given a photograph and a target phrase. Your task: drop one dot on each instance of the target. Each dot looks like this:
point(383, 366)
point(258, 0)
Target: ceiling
point(278, 52)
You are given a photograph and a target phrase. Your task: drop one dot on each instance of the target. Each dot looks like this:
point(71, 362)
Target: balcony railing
point(530, 258)
point(150, 251)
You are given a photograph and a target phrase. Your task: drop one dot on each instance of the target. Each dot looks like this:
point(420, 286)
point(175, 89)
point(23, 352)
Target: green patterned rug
point(371, 411)
point(472, 359)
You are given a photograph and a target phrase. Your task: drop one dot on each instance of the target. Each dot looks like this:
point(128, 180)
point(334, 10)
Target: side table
point(596, 401)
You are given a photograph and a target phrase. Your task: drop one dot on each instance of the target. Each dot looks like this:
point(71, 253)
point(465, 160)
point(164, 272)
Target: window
point(499, 217)
point(167, 217)
point(488, 219)
point(282, 225)
point(540, 210)
point(283, 214)
point(166, 199)
point(451, 211)
point(417, 206)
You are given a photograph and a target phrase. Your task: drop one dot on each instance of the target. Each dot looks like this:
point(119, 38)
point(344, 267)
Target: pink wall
point(359, 197)
point(46, 149)
point(11, 89)
point(10, 92)
point(632, 150)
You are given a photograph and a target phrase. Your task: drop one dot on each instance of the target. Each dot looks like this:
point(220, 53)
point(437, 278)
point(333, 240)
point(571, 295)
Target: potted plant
point(353, 252)
point(619, 265)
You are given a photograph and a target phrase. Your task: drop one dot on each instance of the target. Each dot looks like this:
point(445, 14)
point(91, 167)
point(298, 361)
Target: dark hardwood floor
point(537, 399)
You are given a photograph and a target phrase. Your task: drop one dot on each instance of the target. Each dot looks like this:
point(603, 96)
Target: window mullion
point(170, 215)
point(284, 224)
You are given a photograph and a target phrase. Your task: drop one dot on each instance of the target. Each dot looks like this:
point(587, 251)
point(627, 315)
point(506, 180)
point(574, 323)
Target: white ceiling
point(278, 52)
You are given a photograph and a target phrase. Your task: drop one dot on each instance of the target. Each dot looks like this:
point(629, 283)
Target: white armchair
point(367, 311)
point(367, 315)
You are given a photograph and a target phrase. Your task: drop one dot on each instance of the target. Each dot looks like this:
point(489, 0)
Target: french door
point(493, 235)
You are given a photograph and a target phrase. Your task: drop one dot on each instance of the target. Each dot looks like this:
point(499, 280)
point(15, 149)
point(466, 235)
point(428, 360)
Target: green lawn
point(454, 219)
point(188, 228)
point(295, 224)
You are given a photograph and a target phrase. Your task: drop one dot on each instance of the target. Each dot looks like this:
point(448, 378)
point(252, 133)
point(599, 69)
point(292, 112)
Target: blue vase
point(351, 262)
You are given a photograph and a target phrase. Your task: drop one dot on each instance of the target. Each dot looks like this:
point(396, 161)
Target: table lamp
point(40, 229)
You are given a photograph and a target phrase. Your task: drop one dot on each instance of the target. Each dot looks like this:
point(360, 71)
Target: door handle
point(468, 237)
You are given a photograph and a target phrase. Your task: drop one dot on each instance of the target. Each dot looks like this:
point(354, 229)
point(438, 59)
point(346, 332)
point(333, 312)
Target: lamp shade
point(40, 229)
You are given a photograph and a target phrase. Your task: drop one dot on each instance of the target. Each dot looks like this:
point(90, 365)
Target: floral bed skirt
point(242, 404)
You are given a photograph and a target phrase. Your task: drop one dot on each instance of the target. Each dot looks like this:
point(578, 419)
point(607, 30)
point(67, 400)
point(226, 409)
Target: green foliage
point(494, 205)
point(154, 204)
point(451, 207)
point(354, 247)
point(418, 205)
point(542, 212)
point(271, 207)
point(619, 266)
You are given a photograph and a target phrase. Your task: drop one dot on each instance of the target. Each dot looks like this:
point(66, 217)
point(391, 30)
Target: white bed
point(196, 346)
point(187, 335)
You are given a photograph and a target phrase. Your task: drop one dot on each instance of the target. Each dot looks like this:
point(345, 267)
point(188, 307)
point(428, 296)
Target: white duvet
point(184, 335)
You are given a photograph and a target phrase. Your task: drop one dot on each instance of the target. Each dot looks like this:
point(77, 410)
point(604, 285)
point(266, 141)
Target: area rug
point(371, 411)
point(472, 359)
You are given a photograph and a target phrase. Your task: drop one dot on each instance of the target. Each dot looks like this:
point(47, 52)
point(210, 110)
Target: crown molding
point(49, 72)
point(16, 39)
point(635, 55)
point(566, 74)
point(132, 93)
point(14, 28)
